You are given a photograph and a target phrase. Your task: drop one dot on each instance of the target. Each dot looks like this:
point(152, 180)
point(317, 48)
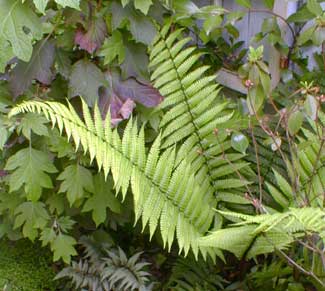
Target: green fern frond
point(191, 275)
point(161, 194)
point(193, 110)
point(265, 233)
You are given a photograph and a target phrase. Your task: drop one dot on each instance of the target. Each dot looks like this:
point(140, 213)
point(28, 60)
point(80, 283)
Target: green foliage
point(24, 267)
point(195, 115)
point(30, 168)
point(213, 170)
point(14, 40)
point(156, 181)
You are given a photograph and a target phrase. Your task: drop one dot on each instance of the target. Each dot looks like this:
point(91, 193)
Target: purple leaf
point(127, 108)
point(38, 68)
point(93, 37)
point(122, 95)
point(119, 109)
point(131, 88)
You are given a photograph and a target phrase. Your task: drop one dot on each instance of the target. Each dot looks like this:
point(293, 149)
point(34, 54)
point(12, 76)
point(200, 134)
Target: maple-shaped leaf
point(76, 180)
point(41, 4)
point(63, 247)
point(60, 145)
point(30, 168)
point(102, 199)
point(92, 37)
point(31, 216)
point(69, 3)
point(113, 47)
point(85, 80)
point(38, 68)
point(48, 235)
point(32, 122)
point(15, 17)
point(9, 202)
point(142, 28)
point(143, 5)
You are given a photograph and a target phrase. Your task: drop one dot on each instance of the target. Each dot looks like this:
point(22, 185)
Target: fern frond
point(123, 273)
point(193, 110)
point(264, 233)
point(107, 269)
point(190, 275)
point(161, 194)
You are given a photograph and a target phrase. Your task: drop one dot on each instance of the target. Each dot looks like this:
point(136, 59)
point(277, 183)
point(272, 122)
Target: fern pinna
point(161, 194)
point(195, 116)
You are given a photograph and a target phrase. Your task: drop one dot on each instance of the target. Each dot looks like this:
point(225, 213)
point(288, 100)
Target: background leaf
point(85, 80)
point(76, 180)
point(14, 17)
point(38, 68)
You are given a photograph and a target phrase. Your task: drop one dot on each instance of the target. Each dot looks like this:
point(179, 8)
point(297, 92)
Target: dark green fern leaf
point(194, 114)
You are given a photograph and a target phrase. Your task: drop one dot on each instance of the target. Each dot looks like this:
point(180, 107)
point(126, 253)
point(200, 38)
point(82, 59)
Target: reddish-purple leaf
point(122, 96)
point(38, 68)
point(127, 108)
point(131, 88)
point(119, 110)
point(93, 37)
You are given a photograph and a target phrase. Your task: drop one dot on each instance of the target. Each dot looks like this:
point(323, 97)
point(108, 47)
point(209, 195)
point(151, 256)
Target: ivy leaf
point(63, 247)
point(41, 5)
point(245, 3)
point(69, 3)
point(143, 5)
point(10, 202)
point(142, 29)
point(33, 122)
point(76, 180)
point(295, 122)
point(239, 142)
point(39, 68)
point(60, 145)
point(47, 236)
point(314, 7)
point(101, 199)
point(92, 39)
point(85, 80)
point(29, 168)
point(15, 18)
point(113, 47)
point(32, 216)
